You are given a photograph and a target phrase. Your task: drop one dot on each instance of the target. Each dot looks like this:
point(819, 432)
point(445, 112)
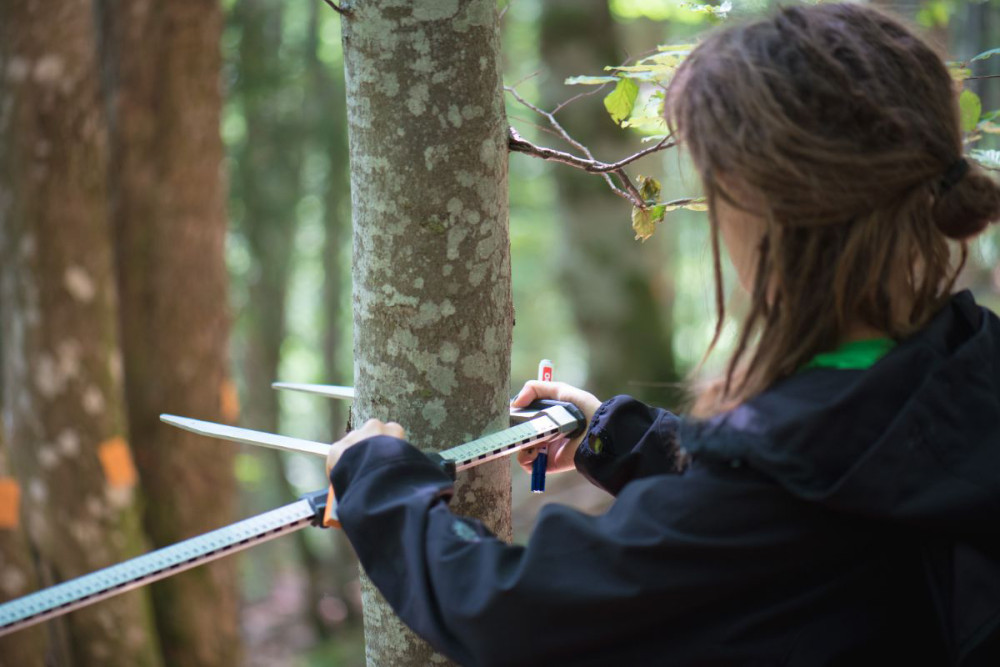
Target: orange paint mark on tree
point(10, 503)
point(116, 459)
point(229, 401)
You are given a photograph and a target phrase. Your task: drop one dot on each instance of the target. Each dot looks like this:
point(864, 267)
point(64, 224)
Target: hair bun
point(967, 207)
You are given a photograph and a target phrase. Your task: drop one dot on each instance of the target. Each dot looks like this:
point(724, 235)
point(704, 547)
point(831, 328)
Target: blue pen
point(541, 462)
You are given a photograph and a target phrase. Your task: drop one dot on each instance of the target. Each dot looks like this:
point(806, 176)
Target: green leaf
point(986, 55)
point(652, 123)
point(718, 11)
point(683, 49)
point(990, 116)
point(649, 189)
point(934, 14)
point(589, 80)
point(959, 73)
point(644, 220)
point(620, 101)
point(970, 107)
point(989, 159)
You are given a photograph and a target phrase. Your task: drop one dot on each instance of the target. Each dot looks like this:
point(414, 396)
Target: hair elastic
point(953, 174)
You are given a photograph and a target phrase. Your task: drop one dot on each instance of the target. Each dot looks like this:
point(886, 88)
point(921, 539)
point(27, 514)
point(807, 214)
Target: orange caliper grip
point(331, 502)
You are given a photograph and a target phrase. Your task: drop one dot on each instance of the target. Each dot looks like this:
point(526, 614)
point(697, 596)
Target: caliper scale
point(544, 419)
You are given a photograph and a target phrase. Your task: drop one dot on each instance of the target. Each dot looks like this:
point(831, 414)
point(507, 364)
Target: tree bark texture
point(608, 284)
point(63, 405)
point(431, 267)
point(17, 573)
point(161, 65)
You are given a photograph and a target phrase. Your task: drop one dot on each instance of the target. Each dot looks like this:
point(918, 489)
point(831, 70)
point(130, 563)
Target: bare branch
point(588, 163)
point(518, 144)
point(564, 104)
point(503, 12)
point(630, 188)
point(343, 11)
point(526, 78)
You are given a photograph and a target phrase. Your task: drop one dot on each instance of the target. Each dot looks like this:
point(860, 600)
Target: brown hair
point(840, 126)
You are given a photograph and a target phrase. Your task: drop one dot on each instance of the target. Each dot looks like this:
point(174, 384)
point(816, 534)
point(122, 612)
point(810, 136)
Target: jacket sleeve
point(661, 557)
point(627, 440)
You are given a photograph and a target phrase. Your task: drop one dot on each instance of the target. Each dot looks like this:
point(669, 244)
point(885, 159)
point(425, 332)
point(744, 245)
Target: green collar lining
point(856, 355)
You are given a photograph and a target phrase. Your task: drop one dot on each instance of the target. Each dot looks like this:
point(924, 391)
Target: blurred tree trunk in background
point(431, 269)
point(63, 405)
point(161, 65)
point(609, 289)
point(269, 182)
point(273, 95)
point(25, 648)
point(17, 570)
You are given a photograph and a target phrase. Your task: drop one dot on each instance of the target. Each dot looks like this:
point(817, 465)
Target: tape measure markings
point(154, 565)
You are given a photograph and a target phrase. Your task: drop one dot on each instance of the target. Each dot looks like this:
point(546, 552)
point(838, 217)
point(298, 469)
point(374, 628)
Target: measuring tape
point(313, 509)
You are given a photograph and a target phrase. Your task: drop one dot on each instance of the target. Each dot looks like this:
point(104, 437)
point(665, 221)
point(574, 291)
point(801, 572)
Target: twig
point(982, 76)
point(564, 104)
point(527, 77)
point(590, 164)
point(540, 128)
point(518, 144)
point(343, 11)
point(503, 12)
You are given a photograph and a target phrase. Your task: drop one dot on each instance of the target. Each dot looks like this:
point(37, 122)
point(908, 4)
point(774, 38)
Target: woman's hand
point(561, 449)
point(372, 428)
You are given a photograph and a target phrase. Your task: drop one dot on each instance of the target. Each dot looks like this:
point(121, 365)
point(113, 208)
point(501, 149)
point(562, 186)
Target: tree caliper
point(539, 421)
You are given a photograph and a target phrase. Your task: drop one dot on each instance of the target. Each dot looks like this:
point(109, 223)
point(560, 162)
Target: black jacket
point(840, 518)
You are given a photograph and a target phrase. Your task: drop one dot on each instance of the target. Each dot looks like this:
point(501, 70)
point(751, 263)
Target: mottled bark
point(431, 273)
point(162, 62)
point(605, 272)
point(17, 573)
point(63, 409)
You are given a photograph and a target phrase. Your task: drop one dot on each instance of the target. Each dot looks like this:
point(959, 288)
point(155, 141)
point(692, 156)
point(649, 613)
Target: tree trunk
point(162, 66)
point(431, 274)
point(604, 274)
point(269, 168)
point(269, 185)
point(63, 408)
point(17, 573)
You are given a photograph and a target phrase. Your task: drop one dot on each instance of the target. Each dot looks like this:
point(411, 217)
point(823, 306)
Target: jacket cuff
point(628, 439)
point(371, 454)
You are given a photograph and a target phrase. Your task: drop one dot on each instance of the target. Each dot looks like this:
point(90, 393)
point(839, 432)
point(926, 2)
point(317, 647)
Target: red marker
point(541, 462)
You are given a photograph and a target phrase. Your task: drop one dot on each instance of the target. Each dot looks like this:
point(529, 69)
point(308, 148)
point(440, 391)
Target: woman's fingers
point(531, 390)
point(526, 457)
point(395, 430)
point(371, 428)
point(560, 391)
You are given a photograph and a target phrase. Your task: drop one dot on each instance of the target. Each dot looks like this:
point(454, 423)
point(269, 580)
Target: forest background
point(616, 315)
